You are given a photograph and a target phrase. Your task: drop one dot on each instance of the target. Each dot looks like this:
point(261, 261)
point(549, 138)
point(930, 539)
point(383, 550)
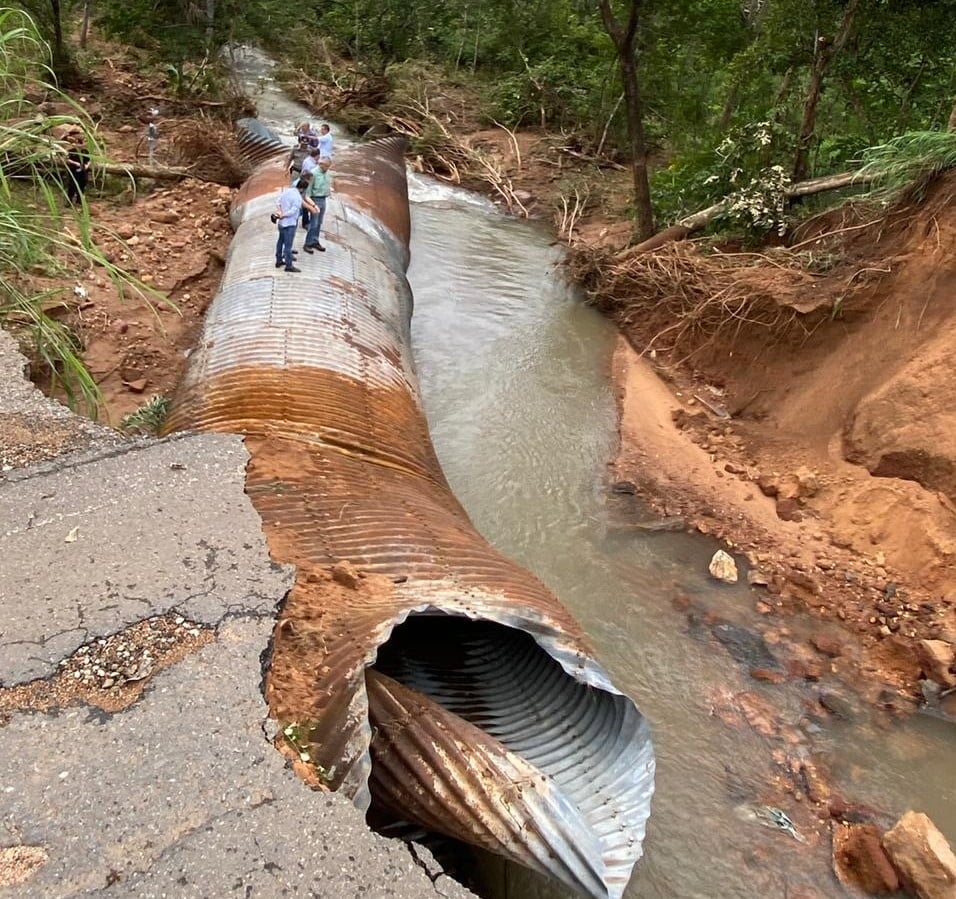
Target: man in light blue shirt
point(288, 207)
point(324, 142)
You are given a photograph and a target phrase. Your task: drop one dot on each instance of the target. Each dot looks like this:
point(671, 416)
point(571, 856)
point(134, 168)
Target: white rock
point(723, 567)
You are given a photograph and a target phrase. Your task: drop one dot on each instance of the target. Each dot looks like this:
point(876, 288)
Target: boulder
point(922, 857)
point(936, 658)
point(723, 567)
point(905, 428)
point(66, 130)
point(788, 509)
point(808, 484)
point(859, 860)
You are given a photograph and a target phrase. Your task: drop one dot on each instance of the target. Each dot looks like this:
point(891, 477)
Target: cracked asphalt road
point(98, 544)
point(182, 794)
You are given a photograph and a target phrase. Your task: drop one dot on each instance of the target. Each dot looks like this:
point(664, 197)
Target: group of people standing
point(305, 199)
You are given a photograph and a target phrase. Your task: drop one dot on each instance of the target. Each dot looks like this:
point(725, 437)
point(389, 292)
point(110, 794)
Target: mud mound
point(906, 428)
point(834, 355)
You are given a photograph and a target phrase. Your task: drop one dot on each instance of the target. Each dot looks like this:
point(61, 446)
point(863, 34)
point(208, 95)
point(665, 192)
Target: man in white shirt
point(288, 207)
point(325, 142)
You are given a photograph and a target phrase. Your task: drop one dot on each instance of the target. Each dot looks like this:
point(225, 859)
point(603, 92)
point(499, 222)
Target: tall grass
point(908, 163)
point(39, 230)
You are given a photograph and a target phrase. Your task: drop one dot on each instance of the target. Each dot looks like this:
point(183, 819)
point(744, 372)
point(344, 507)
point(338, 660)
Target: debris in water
point(770, 816)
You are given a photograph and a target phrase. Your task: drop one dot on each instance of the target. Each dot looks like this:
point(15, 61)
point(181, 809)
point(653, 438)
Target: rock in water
point(922, 857)
point(859, 860)
point(723, 567)
point(936, 657)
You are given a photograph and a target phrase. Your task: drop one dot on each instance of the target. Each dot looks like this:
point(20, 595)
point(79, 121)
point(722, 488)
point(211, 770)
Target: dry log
point(156, 172)
point(687, 226)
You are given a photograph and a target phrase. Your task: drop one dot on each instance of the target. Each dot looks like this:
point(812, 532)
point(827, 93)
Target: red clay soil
point(826, 453)
point(171, 235)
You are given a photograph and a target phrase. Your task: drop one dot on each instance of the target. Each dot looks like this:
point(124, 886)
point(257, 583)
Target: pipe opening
point(479, 734)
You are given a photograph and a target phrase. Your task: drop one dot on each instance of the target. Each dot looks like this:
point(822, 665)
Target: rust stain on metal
point(494, 723)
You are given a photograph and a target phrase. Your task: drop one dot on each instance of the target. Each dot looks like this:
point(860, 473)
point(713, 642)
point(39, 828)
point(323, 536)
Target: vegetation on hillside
point(35, 232)
point(699, 99)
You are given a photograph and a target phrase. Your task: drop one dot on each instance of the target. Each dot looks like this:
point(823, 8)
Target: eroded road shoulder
point(148, 559)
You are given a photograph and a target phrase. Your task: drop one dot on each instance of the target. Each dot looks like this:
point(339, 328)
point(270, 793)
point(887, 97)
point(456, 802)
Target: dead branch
point(690, 224)
point(594, 160)
point(157, 172)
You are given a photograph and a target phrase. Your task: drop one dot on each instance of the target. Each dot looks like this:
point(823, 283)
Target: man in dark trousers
point(319, 191)
point(77, 172)
point(288, 209)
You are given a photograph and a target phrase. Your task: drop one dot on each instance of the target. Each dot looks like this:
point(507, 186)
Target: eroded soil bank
point(818, 441)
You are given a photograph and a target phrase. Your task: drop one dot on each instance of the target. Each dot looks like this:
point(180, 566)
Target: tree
point(825, 50)
point(624, 37)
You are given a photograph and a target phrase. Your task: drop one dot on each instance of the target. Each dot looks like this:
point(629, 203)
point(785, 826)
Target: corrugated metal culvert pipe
point(460, 695)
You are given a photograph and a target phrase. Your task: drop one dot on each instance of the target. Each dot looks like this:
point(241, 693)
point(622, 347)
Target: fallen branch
point(156, 172)
point(687, 226)
point(600, 162)
point(183, 101)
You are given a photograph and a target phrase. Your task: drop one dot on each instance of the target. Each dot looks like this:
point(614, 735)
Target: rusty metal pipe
point(492, 721)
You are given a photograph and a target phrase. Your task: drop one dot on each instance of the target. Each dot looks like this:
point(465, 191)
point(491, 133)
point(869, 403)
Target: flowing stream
point(514, 372)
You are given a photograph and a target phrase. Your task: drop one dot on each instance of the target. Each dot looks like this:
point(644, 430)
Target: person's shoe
point(292, 268)
point(309, 250)
point(279, 264)
point(320, 248)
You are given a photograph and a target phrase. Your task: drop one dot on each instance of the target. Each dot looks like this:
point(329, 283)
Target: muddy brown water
point(514, 372)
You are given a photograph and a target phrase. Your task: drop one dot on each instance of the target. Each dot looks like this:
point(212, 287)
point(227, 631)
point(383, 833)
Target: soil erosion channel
point(514, 371)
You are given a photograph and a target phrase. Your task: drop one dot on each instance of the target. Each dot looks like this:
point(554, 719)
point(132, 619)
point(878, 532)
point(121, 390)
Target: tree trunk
point(730, 107)
point(952, 119)
point(824, 54)
point(157, 172)
point(210, 20)
point(643, 211)
point(688, 225)
point(85, 27)
point(624, 38)
point(59, 56)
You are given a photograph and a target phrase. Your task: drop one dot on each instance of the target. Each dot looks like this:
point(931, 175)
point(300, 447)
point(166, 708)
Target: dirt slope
point(841, 426)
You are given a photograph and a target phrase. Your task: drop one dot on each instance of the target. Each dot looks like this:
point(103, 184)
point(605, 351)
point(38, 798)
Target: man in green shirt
point(320, 187)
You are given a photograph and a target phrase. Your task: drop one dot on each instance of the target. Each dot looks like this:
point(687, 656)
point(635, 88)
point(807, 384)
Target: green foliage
point(908, 162)
point(299, 737)
point(35, 231)
point(710, 70)
point(148, 418)
point(31, 226)
point(706, 68)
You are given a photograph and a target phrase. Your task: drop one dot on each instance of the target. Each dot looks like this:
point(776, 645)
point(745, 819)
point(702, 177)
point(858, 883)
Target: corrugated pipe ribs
point(414, 667)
